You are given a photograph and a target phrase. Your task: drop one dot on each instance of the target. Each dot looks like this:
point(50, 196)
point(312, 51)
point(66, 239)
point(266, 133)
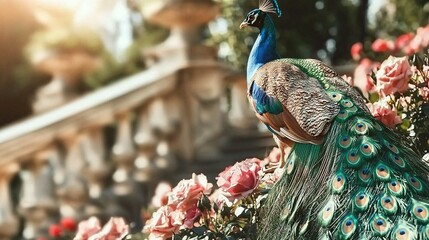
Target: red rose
point(356, 51)
point(68, 224)
point(164, 223)
point(240, 180)
point(393, 75)
point(55, 230)
point(187, 192)
point(381, 45)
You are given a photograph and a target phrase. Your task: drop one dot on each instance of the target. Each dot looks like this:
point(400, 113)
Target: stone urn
point(66, 68)
point(183, 18)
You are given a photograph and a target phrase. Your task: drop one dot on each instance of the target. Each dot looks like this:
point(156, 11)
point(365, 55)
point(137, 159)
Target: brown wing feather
point(308, 110)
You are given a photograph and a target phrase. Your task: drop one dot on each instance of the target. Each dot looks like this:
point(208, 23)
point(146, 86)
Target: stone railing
point(102, 153)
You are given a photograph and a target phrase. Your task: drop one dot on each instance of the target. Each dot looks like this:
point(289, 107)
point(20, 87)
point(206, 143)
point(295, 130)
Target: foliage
point(317, 35)
point(64, 40)
point(399, 16)
point(133, 62)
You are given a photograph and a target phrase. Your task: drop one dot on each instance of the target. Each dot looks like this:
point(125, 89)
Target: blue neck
point(264, 48)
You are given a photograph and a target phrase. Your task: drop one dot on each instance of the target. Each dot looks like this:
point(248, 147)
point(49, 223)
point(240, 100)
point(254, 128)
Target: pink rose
point(164, 223)
point(356, 51)
point(393, 75)
point(115, 229)
point(87, 228)
point(402, 42)
point(383, 112)
point(160, 197)
point(239, 180)
point(381, 45)
point(270, 179)
point(187, 192)
point(362, 78)
point(420, 41)
point(191, 216)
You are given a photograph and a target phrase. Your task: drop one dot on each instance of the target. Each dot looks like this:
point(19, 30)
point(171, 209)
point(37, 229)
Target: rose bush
point(398, 88)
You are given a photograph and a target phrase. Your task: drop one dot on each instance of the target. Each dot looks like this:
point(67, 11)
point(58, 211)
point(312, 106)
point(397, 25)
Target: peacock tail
point(360, 182)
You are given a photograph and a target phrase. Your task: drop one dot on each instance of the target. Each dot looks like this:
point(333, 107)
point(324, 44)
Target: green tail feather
point(361, 183)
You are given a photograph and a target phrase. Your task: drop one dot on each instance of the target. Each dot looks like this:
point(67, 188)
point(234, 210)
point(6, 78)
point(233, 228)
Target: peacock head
point(256, 17)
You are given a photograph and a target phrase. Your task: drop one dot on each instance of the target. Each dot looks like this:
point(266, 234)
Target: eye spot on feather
point(361, 128)
point(382, 172)
point(391, 147)
point(420, 212)
point(345, 141)
point(361, 201)
point(327, 213)
point(397, 160)
point(347, 103)
point(414, 183)
point(348, 226)
point(342, 115)
point(290, 166)
point(380, 225)
point(338, 183)
point(402, 234)
point(388, 204)
point(353, 158)
point(395, 187)
point(367, 149)
point(336, 96)
point(365, 175)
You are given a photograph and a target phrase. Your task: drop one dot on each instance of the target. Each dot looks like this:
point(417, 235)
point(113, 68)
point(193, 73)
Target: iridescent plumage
point(347, 176)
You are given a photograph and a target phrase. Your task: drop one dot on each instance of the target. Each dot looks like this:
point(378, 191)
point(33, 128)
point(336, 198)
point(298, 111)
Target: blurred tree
point(323, 29)
point(16, 24)
point(398, 17)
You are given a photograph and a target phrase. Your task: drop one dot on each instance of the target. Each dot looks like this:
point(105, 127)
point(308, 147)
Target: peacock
point(347, 176)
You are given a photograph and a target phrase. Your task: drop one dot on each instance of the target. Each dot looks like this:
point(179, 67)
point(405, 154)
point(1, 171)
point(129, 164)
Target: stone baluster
point(240, 114)
point(163, 120)
point(98, 168)
point(38, 203)
point(9, 224)
point(128, 191)
point(146, 141)
point(73, 191)
point(123, 154)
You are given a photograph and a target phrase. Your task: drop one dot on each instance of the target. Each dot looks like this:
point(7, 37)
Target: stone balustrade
point(103, 153)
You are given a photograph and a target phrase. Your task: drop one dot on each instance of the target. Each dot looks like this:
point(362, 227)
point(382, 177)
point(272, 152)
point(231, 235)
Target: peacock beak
point(243, 25)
